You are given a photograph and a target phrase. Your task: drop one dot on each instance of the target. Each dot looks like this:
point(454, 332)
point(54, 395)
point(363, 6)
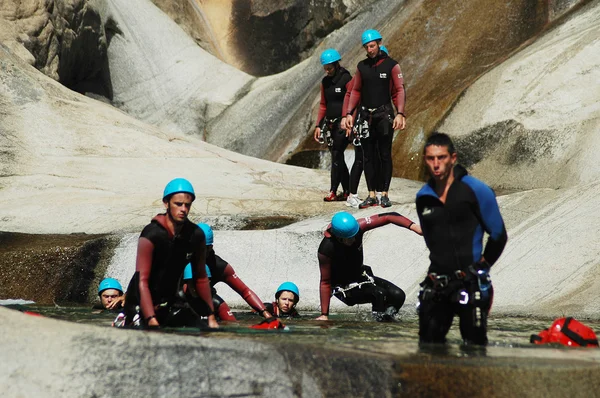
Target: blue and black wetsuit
point(453, 232)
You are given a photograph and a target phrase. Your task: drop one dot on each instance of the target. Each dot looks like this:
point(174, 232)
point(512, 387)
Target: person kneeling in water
point(343, 273)
point(221, 308)
point(286, 299)
point(111, 295)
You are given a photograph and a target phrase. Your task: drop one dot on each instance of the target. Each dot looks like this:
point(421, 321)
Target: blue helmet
point(109, 283)
point(330, 56)
point(178, 185)
point(287, 287)
point(384, 49)
point(344, 225)
point(208, 233)
point(370, 35)
point(187, 272)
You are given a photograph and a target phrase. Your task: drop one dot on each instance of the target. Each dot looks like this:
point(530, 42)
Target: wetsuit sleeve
point(355, 95)
point(397, 89)
point(143, 265)
point(379, 220)
point(202, 284)
point(491, 219)
point(322, 107)
point(325, 284)
point(349, 86)
point(231, 279)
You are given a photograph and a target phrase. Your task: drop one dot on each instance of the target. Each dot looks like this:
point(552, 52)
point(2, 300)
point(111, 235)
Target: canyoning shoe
point(385, 201)
point(332, 197)
point(368, 202)
point(341, 197)
point(389, 315)
point(353, 201)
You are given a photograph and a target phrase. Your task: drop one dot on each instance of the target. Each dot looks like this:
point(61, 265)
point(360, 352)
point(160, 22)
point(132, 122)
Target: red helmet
point(567, 331)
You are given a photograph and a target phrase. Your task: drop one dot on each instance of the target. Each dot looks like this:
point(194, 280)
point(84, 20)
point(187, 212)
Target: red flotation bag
point(567, 331)
point(269, 323)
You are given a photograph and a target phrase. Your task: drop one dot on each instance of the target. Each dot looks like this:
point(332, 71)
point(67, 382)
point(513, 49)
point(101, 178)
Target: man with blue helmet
point(455, 209)
point(165, 247)
point(378, 82)
point(286, 299)
point(333, 90)
point(343, 273)
point(111, 295)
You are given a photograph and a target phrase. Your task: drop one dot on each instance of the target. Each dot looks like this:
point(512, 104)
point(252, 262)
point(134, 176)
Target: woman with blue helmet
point(165, 247)
point(286, 299)
point(343, 273)
point(328, 129)
point(221, 271)
point(378, 82)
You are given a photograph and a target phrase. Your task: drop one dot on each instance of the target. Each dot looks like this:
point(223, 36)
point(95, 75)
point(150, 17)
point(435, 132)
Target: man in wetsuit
point(455, 209)
point(165, 246)
point(357, 166)
point(221, 271)
point(333, 90)
point(378, 82)
point(343, 273)
point(111, 295)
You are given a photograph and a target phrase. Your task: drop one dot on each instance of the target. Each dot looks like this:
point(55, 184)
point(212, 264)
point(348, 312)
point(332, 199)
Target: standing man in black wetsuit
point(455, 210)
point(333, 90)
point(165, 247)
point(343, 273)
point(378, 82)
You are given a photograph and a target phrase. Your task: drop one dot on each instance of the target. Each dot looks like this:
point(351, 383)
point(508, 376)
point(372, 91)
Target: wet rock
point(52, 268)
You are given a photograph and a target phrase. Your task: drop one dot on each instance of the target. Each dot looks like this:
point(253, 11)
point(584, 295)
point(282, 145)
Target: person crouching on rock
point(111, 295)
point(286, 299)
point(165, 247)
point(343, 273)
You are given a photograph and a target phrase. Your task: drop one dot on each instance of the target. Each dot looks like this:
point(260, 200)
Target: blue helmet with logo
point(370, 35)
point(109, 283)
point(330, 56)
point(344, 225)
point(208, 233)
point(178, 185)
point(187, 272)
point(288, 287)
point(384, 49)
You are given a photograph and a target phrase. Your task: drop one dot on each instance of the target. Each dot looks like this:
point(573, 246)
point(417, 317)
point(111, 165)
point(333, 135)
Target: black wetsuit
point(342, 265)
point(168, 257)
point(333, 92)
point(378, 83)
point(453, 232)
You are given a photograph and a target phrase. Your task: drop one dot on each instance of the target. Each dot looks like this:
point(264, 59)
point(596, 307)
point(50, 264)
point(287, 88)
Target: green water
point(508, 336)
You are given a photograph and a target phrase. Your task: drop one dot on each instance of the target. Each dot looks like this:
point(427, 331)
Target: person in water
point(286, 299)
point(111, 295)
point(221, 271)
point(221, 308)
point(328, 130)
point(165, 247)
point(455, 209)
point(378, 82)
point(343, 272)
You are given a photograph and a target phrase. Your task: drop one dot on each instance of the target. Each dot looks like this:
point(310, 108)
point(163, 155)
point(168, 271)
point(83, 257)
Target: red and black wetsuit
point(161, 259)
point(342, 265)
point(222, 271)
point(453, 231)
point(333, 91)
point(377, 83)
